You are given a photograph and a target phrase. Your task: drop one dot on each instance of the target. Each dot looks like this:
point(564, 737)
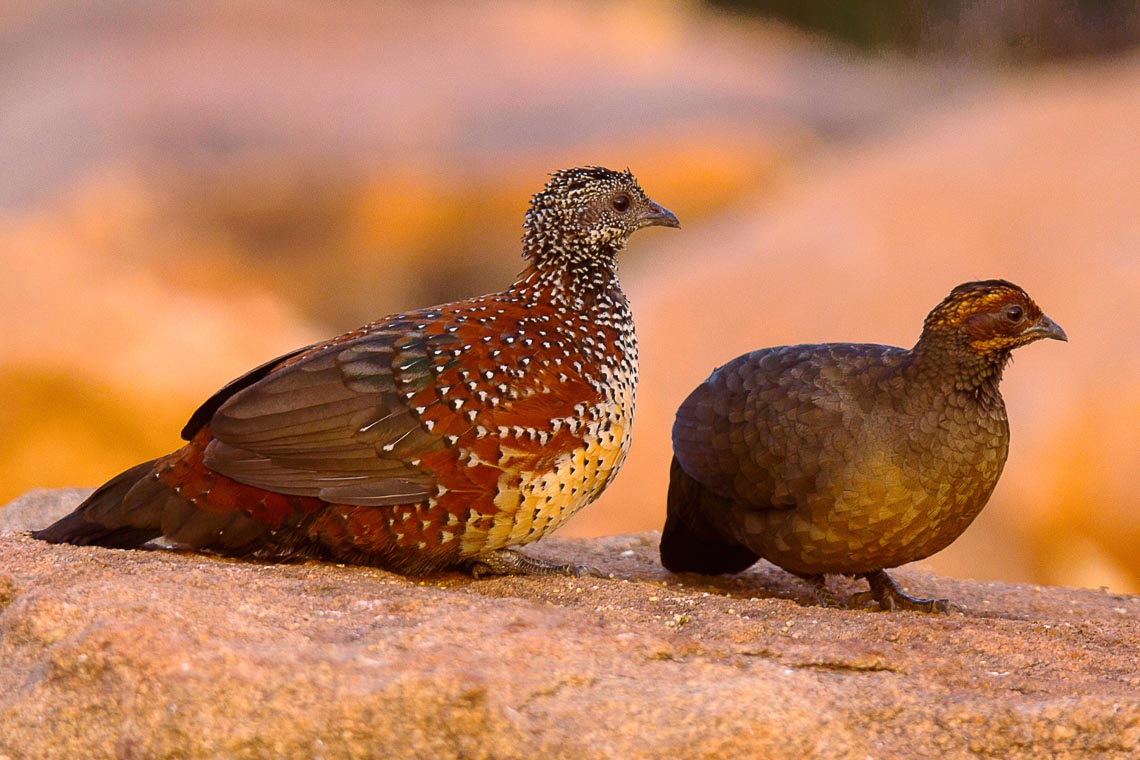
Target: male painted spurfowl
point(849, 458)
point(427, 440)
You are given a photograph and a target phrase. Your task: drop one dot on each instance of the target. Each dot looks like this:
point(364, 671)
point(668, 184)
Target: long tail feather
point(105, 517)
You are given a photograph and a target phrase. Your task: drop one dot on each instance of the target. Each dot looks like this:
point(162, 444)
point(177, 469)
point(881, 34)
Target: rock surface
point(40, 507)
point(163, 654)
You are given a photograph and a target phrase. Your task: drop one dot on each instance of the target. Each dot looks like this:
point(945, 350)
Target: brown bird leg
point(511, 562)
point(890, 597)
point(823, 595)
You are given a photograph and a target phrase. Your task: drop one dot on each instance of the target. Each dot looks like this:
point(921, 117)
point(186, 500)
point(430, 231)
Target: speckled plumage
point(429, 439)
point(849, 458)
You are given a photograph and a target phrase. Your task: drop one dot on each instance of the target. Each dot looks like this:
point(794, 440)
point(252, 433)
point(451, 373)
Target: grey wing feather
point(333, 425)
point(743, 433)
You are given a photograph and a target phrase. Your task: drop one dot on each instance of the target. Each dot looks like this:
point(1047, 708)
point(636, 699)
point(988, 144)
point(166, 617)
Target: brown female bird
point(427, 440)
point(845, 458)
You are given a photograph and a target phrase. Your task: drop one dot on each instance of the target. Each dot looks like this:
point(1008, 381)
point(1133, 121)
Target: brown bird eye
point(1013, 313)
point(621, 203)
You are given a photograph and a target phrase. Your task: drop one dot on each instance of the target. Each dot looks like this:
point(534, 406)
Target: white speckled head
point(588, 211)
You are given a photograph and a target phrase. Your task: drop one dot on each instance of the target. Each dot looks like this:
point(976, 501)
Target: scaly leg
point(511, 562)
point(890, 597)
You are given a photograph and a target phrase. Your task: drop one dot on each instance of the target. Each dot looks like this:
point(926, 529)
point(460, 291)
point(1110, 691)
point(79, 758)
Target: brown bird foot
point(823, 596)
point(511, 562)
point(890, 597)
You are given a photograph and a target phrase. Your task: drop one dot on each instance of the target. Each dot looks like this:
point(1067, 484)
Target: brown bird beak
point(1046, 328)
point(659, 216)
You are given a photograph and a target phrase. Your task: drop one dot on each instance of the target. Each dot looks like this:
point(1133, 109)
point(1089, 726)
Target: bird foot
point(890, 597)
point(823, 595)
point(511, 562)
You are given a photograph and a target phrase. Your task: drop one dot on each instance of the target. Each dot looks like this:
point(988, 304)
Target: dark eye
point(1013, 313)
point(621, 203)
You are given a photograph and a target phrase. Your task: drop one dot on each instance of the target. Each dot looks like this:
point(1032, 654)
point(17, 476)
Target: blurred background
point(189, 189)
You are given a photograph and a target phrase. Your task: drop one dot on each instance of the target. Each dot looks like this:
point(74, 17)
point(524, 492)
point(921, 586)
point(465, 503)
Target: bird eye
point(1013, 313)
point(621, 203)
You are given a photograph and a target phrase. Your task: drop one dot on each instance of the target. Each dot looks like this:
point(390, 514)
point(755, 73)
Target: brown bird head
point(989, 318)
point(588, 214)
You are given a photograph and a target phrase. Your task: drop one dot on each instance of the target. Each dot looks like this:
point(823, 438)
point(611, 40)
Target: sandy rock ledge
point(109, 653)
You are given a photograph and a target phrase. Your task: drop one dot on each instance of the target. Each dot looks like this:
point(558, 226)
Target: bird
point(847, 459)
point(428, 440)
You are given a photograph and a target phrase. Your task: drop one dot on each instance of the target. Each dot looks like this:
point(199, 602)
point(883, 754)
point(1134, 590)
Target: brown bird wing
point(334, 424)
point(203, 413)
point(769, 426)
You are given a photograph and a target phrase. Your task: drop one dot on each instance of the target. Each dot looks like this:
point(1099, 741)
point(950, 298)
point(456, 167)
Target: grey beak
point(659, 216)
point(1047, 328)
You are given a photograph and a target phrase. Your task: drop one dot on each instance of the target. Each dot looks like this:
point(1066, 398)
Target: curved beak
point(657, 215)
point(1046, 328)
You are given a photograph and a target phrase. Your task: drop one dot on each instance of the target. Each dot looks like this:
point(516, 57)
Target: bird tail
point(689, 542)
point(123, 513)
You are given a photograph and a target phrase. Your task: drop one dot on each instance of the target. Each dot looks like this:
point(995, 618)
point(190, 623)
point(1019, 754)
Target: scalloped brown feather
point(847, 458)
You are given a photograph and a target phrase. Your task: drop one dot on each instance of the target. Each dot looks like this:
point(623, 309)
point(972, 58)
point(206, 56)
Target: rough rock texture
point(162, 654)
point(39, 508)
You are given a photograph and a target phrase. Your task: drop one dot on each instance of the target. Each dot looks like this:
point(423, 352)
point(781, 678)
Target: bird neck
point(948, 362)
point(579, 276)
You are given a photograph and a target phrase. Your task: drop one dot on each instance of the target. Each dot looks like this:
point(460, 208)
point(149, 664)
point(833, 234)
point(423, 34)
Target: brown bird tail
point(122, 513)
point(689, 543)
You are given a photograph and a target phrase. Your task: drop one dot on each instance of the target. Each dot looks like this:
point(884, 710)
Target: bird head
point(589, 211)
point(991, 317)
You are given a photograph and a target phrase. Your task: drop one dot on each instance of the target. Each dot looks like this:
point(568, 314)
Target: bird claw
point(819, 589)
point(915, 603)
point(860, 600)
point(890, 597)
point(511, 562)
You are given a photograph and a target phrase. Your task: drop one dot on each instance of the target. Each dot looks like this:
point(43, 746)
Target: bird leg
point(890, 597)
point(823, 596)
point(511, 562)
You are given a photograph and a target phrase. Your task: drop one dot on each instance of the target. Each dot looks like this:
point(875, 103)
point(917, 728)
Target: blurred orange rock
point(106, 348)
